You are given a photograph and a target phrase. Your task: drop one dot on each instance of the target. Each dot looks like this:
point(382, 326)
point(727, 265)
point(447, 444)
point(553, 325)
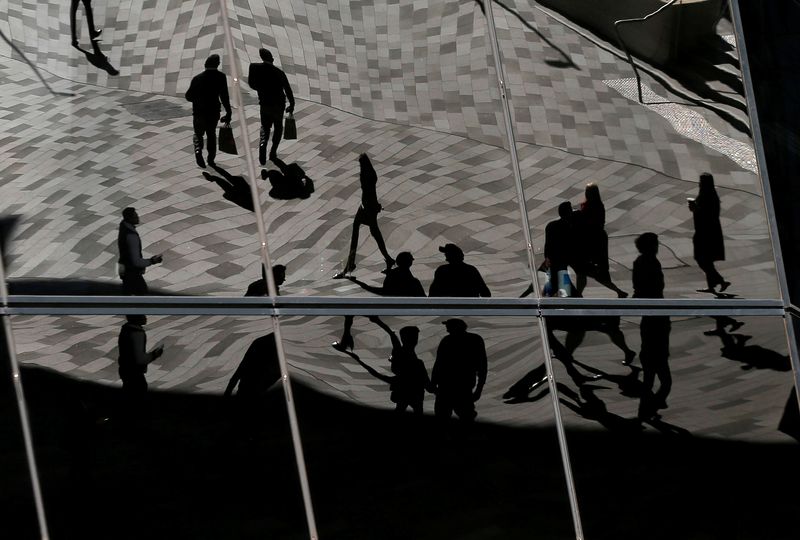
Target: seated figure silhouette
point(259, 287)
point(235, 188)
point(457, 278)
point(459, 372)
point(290, 182)
point(648, 282)
point(399, 281)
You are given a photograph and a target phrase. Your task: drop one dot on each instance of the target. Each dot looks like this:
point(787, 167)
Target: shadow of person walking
point(235, 188)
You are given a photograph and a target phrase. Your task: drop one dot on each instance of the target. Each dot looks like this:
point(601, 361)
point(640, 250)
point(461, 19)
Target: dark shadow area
point(17, 510)
point(235, 188)
point(400, 478)
point(73, 287)
point(98, 59)
point(289, 182)
point(564, 62)
point(183, 471)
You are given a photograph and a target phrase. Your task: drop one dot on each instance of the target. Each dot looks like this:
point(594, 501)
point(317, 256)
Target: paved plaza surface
point(411, 84)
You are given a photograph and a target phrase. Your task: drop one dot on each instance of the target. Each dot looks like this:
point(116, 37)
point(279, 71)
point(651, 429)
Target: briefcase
point(225, 141)
point(289, 128)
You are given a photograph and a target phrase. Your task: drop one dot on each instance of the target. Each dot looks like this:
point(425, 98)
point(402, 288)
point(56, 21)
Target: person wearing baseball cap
point(459, 372)
point(457, 278)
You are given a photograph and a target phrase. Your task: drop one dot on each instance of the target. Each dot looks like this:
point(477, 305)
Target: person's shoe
point(75, 44)
point(208, 176)
point(344, 273)
point(736, 325)
point(629, 356)
point(724, 285)
point(262, 155)
point(199, 158)
point(273, 155)
point(211, 161)
point(345, 343)
point(622, 294)
point(96, 34)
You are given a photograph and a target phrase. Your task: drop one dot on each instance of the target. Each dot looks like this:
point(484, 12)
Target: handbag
point(225, 141)
point(289, 128)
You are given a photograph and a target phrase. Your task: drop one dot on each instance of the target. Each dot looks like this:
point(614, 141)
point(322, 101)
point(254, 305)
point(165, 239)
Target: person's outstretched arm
point(395, 340)
point(368, 288)
point(374, 372)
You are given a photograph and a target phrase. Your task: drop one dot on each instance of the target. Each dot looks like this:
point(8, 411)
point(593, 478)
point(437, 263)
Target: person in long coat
point(709, 245)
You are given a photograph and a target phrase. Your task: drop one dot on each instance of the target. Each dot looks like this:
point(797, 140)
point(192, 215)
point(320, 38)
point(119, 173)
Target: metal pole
point(262, 233)
point(526, 229)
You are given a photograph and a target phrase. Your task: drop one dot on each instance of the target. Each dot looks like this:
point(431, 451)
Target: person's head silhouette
point(565, 210)
point(279, 274)
point(409, 335)
point(404, 259)
point(455, 326)
point(265, 55)
point(212, 62)
point(592, 193)
point(452, 253)
point(129, 215)
point(139, 320)
point(647, 243)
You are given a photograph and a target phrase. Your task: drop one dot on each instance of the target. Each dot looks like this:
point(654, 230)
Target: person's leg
point(618, 338)
point(211, 133)
point(347, 341)
point(351, 255)
point(89, 14)
point(73, 9)
point(442, 407)
point(277, 134)
point(266, 125)
point(376, 234)
point(665, 378)
point(199, 130)
point(580, 283)
point(574, 339)
point(713, 278)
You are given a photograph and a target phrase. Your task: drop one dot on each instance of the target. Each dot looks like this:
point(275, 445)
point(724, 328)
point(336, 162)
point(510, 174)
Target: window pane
point(422, 476)
point(167, 441)
point(715, 431)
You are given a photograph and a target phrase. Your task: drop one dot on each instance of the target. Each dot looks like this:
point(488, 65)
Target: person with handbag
point(273, 90)
point(206, 92)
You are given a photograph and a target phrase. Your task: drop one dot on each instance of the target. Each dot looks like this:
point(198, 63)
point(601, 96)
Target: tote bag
point(225, 140)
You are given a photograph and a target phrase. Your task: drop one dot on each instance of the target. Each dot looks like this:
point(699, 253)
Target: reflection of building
point(413, 86)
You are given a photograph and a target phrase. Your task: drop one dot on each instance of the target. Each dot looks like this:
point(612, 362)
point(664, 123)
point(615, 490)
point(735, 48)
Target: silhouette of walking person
point(709, 245)
point(206, 92)
point(459, 372)
point(591, 246)
point(399, 281)
point(258, 371)
point(559, 240)
point(131, 263)
point(94, 33)
point(457, 278)
point(648, 282)
point(367, 214)
point(410, 379)
point(273, 90)
point(133, 361)
point(259, 287)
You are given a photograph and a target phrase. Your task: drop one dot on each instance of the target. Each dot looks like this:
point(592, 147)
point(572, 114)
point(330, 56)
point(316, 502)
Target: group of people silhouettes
point(577, 240)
